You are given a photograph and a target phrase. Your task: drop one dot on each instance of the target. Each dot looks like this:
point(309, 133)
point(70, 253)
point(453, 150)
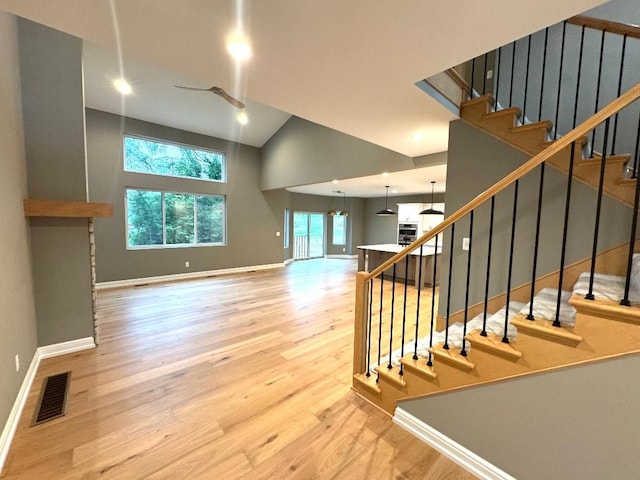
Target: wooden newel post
point(360, 323)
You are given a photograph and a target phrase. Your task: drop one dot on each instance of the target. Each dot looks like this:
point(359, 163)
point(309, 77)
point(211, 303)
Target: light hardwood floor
point(244, 376)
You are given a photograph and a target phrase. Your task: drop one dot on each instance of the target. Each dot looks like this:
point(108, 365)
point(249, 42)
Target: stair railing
point(565, 73)
point(376, 312)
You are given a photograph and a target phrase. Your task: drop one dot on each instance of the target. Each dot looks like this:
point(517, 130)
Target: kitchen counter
point(371, 256)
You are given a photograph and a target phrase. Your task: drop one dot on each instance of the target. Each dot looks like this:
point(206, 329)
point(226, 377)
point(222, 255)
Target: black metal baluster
point(637, 159)
point(484, 77)
point(593, 134)
point(596, 230)
point(536, 243)
point(563, 249)
point(544, 70)
point(369, 328)
point(433, 300)
point(473, 74)
point(404, 310)
point(393, 300)
point(463, 351)
point(513, 66)
point(505, 339)
point(575, 105)
point(415, 349)
point(497, 70)
point(486, 285)
point(564, 34)
point(526, 81)
point(446, 332)
point(380, 324)
point(615, 123)
point(634, 226)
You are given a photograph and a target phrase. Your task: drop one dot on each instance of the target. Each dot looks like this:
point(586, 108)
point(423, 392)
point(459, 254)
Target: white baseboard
point(448, 447)
point(14, 415)
point(341, 256)
point(288, 261)
point(184, 276)
point(66, 347)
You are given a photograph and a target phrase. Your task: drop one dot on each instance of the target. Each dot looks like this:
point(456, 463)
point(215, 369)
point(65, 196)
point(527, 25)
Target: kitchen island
point(371, 256)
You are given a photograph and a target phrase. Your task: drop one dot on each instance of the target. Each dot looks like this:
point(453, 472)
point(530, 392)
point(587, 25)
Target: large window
point(143, 155)
point(339, 230)
point(157, 219)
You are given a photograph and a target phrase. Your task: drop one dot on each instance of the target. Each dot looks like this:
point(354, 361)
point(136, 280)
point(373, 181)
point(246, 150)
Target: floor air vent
point(53, 398)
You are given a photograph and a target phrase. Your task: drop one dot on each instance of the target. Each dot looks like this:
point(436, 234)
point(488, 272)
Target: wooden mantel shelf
point(54, 208)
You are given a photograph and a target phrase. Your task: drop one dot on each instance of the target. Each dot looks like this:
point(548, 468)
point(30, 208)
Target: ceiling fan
point(218, 91)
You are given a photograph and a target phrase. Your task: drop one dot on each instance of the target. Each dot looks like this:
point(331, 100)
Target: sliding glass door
point(308, 235)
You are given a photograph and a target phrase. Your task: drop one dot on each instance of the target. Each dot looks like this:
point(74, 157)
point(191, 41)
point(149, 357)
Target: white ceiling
point(350, 65)
point(155, 99)
point(408, 182)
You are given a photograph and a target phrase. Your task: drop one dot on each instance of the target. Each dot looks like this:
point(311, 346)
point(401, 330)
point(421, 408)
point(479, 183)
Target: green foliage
point(145, 218)
point(147, 156)
point(144, 210)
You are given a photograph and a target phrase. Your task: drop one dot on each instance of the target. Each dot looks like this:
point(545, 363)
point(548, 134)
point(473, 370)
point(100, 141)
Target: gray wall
point(302, 152)
point(379, 230)
point(17, 309)
point(251, 224)
point(625, 11)
point(53, 110)
point(477, 161)
point(572, 424)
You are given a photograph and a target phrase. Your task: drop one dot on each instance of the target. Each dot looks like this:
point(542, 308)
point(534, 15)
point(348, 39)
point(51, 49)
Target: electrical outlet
point(344, 249)
point(489, 74)
point(465, 244)
point(17, 362)
point(277, 234)
point(186, 264)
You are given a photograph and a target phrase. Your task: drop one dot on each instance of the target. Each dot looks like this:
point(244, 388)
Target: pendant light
point(387, 212)
point(344, 212)
point(431, 210)
point(332, 211)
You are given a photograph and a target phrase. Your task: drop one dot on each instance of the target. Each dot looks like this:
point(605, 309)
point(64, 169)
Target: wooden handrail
point(456, 77)
point(606, 25)
point(592, 122)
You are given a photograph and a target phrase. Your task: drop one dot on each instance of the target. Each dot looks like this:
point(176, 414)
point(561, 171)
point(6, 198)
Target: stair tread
point(584, 140)
point(418, 367)
point(391, 375)
point(482, 98)
point(368, 383)
point(504, 112)
point(595, 161)
point(546, 124)
point(606, 308)
point(493, 344)
point(545, 329)
point(626, 182)
point(451, 358)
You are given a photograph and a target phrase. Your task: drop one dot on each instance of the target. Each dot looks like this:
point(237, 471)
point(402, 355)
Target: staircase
point(583, 312)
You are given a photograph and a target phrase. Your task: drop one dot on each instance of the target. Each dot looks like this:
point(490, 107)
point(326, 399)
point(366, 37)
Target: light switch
point(465, 244)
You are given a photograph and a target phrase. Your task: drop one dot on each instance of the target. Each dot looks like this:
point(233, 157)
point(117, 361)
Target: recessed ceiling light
point(385, 174)
point(239, 49)
point(242, 118)
point(418, 136)
point(122, 86)
point(335, 182)
point(394, 191)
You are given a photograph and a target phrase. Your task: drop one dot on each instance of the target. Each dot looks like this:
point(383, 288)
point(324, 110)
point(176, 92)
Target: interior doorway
point(308, 235)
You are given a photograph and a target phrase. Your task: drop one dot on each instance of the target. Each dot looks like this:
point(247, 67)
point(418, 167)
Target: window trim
point(165, 245)
point(177, 144)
